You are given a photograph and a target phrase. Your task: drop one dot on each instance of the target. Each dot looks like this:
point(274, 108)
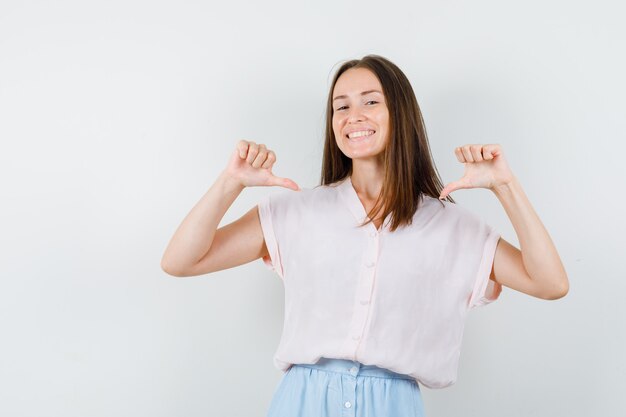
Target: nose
point(355, 114)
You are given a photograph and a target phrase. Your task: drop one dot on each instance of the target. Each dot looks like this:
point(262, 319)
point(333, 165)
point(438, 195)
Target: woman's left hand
point(485, 167)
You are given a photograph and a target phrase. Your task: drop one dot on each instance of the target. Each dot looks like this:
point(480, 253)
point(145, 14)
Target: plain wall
point(117, 116)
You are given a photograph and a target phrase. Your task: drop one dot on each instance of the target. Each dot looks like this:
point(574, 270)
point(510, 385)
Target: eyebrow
point(363, 93)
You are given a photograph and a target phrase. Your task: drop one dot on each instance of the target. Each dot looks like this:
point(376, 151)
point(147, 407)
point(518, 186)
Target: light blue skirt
point(345, 388)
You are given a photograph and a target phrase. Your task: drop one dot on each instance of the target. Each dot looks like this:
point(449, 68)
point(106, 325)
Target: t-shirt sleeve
point(267, 216)
point(485, 290)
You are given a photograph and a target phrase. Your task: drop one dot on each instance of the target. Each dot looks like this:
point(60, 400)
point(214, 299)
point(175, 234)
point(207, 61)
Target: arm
point(535, 270)
point(538, 262)
point(197, 247)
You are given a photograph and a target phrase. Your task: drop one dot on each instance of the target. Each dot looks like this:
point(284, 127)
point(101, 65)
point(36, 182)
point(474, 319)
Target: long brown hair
point(408, 165)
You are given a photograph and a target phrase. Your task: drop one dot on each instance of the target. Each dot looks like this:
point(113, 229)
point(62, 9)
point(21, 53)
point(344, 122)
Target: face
point(365, 115)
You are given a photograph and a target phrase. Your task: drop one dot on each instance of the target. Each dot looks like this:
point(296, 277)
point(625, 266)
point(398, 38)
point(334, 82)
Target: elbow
point(560, 291)
point(169, 269)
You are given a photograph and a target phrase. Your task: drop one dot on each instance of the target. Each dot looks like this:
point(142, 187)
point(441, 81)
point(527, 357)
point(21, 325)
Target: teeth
point(361, 133)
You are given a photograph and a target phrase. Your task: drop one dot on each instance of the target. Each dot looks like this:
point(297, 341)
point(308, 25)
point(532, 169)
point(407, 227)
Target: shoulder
point(443, 213)
point(307, 198)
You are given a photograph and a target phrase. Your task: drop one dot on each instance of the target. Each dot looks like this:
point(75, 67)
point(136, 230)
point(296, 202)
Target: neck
point(367, 178)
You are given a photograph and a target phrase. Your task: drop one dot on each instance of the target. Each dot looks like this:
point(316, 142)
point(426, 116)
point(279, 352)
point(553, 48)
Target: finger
point(253, 150)
point(445, 192)
point(467, 153)
point(284, 182)
point(491, 151)
point(242, 148)
point(453, 186)
point(459, 155)
point(269, 161)
point(260, 158)
point(476, 151)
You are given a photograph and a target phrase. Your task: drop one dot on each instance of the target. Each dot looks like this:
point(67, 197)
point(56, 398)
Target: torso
point(368, 205)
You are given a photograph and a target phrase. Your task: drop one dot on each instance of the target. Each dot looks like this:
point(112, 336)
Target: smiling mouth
point(360, 138)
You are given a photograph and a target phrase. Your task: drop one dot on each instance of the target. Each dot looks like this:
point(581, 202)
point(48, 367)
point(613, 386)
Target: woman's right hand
point(251, 165)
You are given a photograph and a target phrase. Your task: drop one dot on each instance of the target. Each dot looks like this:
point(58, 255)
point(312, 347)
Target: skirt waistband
point(354, 368)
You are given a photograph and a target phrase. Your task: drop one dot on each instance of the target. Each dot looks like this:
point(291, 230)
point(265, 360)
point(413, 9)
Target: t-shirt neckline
point(356, 207)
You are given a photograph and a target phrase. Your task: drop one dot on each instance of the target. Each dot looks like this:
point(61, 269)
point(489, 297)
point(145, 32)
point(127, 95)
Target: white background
point(116, 117)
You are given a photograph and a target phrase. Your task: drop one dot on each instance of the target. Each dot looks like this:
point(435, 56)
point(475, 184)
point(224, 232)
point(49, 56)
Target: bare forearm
point(193, 238)
point(540, 257)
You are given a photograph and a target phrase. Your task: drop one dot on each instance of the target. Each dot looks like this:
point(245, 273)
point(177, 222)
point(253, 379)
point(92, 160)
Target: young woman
point(379, 264)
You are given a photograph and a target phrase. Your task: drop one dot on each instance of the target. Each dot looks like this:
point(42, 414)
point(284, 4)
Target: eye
point(370, 101)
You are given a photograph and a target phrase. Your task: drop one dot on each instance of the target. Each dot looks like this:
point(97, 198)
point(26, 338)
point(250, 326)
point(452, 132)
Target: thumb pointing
point(285, 182)
point(453, 186)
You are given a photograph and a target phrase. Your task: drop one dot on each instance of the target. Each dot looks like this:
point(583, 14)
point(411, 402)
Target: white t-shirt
point(397, 300)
